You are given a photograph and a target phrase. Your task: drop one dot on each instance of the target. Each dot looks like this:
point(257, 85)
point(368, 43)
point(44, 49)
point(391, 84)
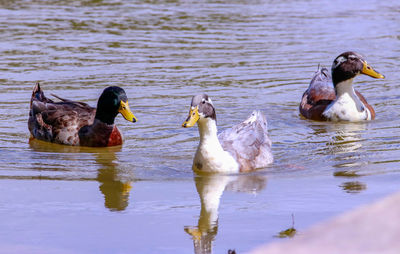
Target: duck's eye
point(352, 58)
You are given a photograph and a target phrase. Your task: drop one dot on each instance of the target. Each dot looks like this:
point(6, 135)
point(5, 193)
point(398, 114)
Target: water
point(143, 197)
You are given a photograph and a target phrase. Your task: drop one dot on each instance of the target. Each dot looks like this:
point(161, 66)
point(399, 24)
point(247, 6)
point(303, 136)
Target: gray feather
point(248, 142)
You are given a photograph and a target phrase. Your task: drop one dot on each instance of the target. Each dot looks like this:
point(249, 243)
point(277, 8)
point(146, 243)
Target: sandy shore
point(373, 228)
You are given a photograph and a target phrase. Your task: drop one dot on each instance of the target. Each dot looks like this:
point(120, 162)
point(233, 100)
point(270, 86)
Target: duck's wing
point(248, 142)
point(57, 122)
point(318, 96)
point(364, 101)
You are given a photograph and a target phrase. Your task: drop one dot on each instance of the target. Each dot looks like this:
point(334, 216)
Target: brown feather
point(64, 122)
point(320, 94)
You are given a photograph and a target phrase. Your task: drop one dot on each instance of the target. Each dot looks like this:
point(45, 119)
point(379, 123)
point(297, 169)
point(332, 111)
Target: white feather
point(210, 156)
point(347, 106)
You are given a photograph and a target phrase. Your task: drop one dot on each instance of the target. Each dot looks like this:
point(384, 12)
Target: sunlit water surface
point(143, 197)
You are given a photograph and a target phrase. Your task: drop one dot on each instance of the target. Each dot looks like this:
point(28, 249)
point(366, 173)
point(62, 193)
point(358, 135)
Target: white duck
point(244, 147)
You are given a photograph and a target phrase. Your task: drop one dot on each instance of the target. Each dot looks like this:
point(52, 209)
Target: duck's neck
point(345, 89)
point(104, 116)
point(208, 133)
point(210, 155)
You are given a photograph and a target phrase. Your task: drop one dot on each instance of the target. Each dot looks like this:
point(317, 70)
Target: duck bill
point(126, 112)
point(368, 70)
point(192, 118)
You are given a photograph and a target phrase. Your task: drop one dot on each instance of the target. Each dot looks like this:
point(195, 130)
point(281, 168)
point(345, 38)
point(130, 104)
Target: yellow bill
point(126, 188)
point(192, 118)
point(126, 112)
point(367, 70)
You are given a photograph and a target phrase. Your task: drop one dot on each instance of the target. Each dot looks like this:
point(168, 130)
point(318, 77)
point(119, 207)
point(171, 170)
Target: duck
point(75, 123)
point(340, 102)
point(242, 148)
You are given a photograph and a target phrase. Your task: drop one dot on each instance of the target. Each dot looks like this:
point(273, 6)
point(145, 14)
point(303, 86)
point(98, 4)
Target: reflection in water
point(346, 146)
point(347, 173)
point(290, 232)
point(113, 184)
point(115, 190)
point(210, 189)
point(353, 187)
point(347, 139)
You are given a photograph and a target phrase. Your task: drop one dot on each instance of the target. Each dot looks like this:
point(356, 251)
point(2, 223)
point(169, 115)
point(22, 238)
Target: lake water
point(143, 197)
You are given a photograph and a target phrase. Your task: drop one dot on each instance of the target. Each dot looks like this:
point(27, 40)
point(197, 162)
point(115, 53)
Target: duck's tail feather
point(257, 115)
point(322, 74)
point(38, 94)
point(36, 88)
point(325, 72)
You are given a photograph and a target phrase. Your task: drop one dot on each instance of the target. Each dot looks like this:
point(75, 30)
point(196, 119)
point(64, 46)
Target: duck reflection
point(114, 183)
point(345, 146)
point(114, 188)
point(210, 189)
point(347, 138)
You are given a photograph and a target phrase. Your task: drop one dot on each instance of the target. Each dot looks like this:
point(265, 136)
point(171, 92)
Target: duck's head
point(112, 101)
point(200, 108)
point(348, 65)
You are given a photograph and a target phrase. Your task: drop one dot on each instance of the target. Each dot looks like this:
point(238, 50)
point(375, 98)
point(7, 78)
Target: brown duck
point(76, 123)
point(340, 102)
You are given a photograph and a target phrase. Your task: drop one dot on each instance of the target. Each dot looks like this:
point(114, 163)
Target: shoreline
point(371, 228)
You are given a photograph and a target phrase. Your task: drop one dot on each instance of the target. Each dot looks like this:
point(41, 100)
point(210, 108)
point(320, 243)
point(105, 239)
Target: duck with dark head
point(76, 123)
point(340, 102)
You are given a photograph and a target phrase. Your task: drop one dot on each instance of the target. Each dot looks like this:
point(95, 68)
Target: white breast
point(210, 157)
point(347, 108)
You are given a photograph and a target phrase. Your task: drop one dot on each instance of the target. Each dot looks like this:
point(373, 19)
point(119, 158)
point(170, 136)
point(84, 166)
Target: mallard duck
point(340, 102)
point(244, 147)
point(76, 123)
